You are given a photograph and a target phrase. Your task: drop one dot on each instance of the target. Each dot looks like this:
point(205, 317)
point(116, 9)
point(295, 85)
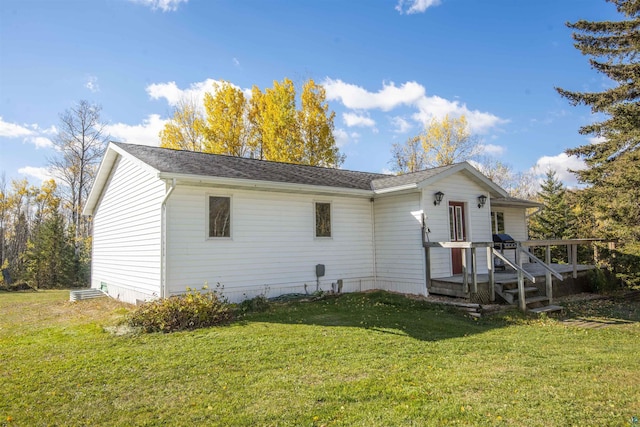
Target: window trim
point(315, 219)
point(208, 216)
point(494, 222)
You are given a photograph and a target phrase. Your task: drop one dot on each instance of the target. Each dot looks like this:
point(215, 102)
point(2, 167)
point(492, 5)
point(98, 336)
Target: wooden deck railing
point(522, 252)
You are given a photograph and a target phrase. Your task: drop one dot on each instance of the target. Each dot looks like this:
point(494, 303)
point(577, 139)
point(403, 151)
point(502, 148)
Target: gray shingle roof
point(408, 178)
point(193, 163)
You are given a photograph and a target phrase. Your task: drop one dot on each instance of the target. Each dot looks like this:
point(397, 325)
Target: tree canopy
point(268, 125)
point(612, 176)
point(556, 219)
point(443, 142)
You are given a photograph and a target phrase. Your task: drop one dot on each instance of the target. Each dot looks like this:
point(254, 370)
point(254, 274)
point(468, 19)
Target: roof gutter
point(411, 186)
point(163, 241)
point(263, 185)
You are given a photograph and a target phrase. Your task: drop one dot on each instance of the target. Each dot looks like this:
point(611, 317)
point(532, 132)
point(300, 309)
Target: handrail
point(543, 264)
point(514, 266)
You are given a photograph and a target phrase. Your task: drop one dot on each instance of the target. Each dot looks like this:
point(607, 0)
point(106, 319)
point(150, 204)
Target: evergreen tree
point(50, 254)
point(613, 158)
point(555, 220)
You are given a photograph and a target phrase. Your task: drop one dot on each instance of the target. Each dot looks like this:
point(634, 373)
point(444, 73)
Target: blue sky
point(389, 66)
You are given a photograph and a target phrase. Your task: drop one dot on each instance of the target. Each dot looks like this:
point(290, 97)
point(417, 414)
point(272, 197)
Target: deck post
point(474, 267)
point(465, 276)
point(574, 260)
point(492, 279)
point(427, 266)
point(521, 294)
point(547, 276)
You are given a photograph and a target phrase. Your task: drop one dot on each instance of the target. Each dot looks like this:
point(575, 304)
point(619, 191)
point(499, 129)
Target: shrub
point(602, 280)
point(257, 304)
point(181, 312)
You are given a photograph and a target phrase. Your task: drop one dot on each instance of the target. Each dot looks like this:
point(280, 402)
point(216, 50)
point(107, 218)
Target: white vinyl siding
point(515, 225)
point(126, 233)
point(399, 252)
point(273, 249)
point(457, 188)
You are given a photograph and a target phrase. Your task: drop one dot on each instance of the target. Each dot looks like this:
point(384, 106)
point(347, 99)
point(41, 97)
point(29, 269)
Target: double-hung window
point(219, 216)
point(323, 219)
point(497, 222)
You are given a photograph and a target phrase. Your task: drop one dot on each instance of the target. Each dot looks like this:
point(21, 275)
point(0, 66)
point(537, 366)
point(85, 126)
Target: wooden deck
point(453, 285)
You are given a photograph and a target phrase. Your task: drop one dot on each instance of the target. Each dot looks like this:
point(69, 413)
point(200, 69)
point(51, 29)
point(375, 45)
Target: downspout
point(373, 238)
point(163, 241)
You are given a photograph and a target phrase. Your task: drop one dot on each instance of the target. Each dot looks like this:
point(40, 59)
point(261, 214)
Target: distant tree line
point(45, 241)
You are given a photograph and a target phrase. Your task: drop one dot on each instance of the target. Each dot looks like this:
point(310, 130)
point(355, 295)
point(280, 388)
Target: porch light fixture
point(437, 198)
point(482, 199)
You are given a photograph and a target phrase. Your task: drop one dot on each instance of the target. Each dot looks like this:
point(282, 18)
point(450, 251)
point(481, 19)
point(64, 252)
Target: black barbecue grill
point(502, 242)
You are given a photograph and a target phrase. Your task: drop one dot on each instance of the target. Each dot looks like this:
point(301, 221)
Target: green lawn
point(362, 359)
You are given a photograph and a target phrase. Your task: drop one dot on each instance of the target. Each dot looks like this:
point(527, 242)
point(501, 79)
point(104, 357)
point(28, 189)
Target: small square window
point(219, 216)
point(323, 219)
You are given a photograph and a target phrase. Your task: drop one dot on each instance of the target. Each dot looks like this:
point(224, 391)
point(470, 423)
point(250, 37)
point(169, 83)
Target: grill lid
point(503, 238)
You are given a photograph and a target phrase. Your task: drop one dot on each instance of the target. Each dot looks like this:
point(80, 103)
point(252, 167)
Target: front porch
point(529, 281)
point(454, 285)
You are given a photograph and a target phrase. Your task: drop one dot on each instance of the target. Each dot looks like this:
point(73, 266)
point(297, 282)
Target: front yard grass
point(373, 359)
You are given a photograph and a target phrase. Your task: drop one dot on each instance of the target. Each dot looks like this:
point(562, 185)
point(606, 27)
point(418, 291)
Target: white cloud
point(561, 164)
point(40, 141)
point(32, 133)
point(388, 98)
point(491, 149)
point(12, 130)
point(163, 5)
point(173, 94)
point(92, 84)
point(597, 140)
point(430, 107)
point(146, 133)
point(341, 136)
point(401, 125)
point(42, 174)
point(353, 119)
point(409, 94)
point(415, 6)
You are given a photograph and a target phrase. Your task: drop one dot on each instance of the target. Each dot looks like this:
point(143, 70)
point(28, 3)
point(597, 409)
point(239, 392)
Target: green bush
point(257, 304)
point(602, 280)
point(192, 310)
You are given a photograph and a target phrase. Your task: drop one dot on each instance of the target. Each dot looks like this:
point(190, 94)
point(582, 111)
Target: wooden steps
point(535, 300)
point(82, 294)
point(535, 304)
point(546, 309)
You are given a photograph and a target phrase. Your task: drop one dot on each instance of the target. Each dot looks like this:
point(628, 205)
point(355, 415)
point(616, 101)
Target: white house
point(165, 220)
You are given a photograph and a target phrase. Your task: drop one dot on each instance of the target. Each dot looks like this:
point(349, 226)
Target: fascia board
point(250, 184)
point(472, 172)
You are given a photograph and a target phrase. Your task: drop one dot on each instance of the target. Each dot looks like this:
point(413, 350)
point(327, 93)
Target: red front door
point(457, 233)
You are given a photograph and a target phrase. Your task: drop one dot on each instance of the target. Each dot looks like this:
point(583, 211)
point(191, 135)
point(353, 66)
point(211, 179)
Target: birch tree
point(80, 144)
point(186, 128)
point(227, 128)
point(315, 122)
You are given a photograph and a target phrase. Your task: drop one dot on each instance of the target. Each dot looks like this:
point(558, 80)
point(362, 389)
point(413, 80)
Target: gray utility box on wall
point(319, 270)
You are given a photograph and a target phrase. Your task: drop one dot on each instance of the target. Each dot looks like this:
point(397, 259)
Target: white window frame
point(208, 216)
point(494, 222)
point(315, 219)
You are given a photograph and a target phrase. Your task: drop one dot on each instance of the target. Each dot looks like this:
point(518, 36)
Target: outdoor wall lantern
point(482, 199)
point(437, 198)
